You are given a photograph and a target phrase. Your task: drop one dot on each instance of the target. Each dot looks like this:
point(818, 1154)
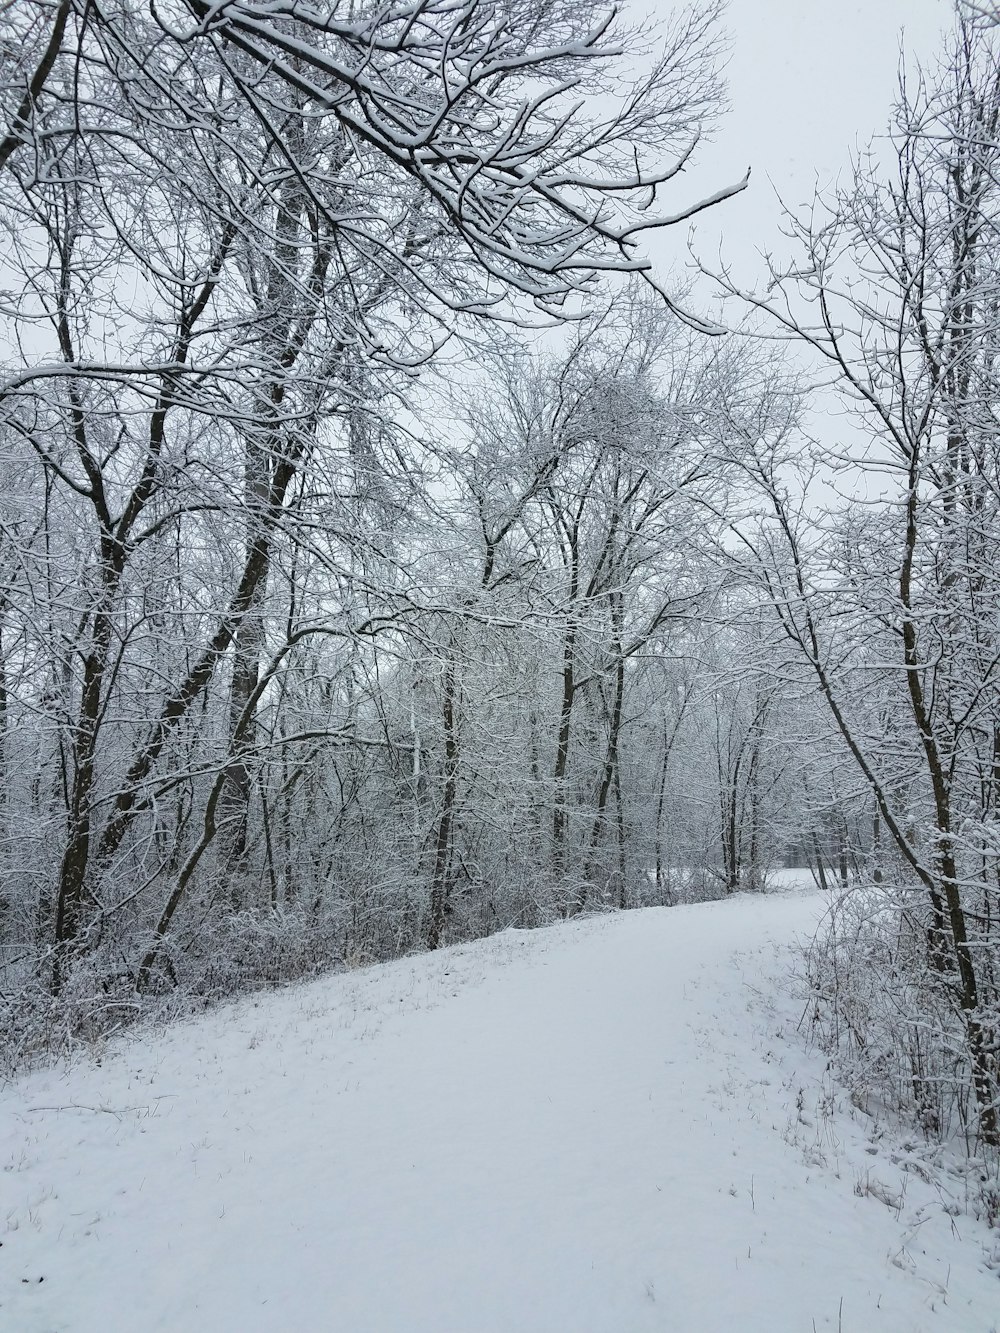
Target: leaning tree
point(893, 600)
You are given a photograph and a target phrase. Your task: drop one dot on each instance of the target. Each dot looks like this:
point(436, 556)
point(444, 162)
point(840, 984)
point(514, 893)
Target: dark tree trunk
point(440, 881)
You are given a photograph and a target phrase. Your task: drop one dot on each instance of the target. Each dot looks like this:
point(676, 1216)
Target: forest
point(392, 553)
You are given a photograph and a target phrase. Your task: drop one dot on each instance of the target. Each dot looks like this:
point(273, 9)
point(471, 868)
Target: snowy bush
point(888, 1017)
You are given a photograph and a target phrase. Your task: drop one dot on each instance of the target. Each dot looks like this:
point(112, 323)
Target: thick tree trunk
point(71, 890)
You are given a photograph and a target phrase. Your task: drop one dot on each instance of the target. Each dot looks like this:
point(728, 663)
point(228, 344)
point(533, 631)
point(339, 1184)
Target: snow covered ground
point(595, 1128)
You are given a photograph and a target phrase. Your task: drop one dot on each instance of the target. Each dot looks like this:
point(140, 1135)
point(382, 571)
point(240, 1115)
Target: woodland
point(391, 554)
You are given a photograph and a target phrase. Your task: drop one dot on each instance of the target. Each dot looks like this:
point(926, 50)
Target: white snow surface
point(608, 1126)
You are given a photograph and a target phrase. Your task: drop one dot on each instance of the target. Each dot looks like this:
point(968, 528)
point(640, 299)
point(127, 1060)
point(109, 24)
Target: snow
point(602, 1127)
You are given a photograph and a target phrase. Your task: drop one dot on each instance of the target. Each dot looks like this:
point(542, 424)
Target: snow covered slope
point(589, 1129)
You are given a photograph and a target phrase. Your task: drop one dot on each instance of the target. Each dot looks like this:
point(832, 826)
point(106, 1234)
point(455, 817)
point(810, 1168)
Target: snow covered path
point(587, 1129)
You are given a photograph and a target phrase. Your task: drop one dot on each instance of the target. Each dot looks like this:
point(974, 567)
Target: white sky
point(809, 82)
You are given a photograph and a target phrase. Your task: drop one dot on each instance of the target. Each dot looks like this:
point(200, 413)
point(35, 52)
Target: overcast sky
point(809, 81)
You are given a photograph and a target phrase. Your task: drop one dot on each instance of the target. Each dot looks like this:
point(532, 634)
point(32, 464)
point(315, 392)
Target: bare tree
point(897, 293)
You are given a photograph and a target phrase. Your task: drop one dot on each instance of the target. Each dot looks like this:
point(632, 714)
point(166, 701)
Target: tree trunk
point(440, 881)
point(610, 771)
